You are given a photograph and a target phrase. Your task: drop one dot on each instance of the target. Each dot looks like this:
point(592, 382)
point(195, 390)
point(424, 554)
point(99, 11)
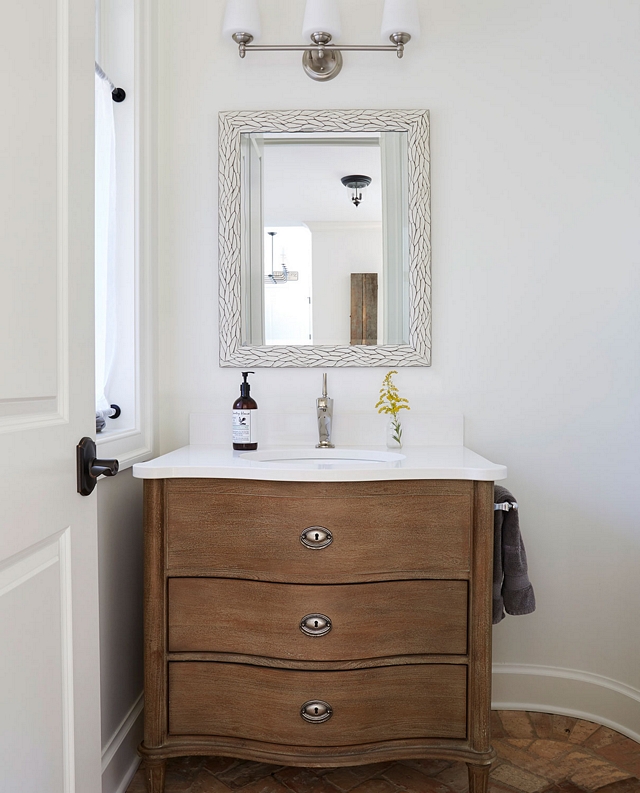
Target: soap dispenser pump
point(245, 419)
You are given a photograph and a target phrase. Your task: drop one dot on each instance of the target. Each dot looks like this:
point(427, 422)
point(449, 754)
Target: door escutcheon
point(89, 467)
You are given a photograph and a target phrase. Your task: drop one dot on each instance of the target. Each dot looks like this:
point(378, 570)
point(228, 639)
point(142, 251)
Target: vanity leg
point(154, 774)
point(478, 778)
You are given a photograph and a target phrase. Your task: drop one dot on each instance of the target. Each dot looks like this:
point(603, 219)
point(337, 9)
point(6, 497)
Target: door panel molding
point(19, 570)
point(19, 414)
point(66, 629)
point(21, 411)
point(63, 75)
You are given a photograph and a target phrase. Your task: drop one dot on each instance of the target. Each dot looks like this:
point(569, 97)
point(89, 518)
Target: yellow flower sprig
point(390, 400)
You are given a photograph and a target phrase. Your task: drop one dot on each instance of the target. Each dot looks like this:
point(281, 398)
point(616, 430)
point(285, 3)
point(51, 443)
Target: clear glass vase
point(394, 433)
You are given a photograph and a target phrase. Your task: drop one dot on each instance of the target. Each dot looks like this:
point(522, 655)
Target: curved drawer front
point(364, 529)
point(354, 707)
point(342, 622)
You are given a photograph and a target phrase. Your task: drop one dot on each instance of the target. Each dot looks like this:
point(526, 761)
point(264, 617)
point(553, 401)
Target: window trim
point(136, 443)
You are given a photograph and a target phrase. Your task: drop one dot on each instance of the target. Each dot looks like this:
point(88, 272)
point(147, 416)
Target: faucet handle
point(324, 385)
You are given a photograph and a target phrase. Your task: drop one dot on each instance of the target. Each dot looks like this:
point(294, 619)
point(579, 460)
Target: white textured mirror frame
point(418, 350)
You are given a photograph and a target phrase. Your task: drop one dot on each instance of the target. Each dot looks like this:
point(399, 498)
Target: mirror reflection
point(325, 238)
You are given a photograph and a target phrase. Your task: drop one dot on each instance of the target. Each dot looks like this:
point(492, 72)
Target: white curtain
point(105, 240)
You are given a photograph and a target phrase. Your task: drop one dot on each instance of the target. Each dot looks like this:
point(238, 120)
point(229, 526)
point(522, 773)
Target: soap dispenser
point(245, 419)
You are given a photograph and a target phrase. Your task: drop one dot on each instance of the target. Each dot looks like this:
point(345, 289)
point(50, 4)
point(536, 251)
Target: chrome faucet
point(324, 407)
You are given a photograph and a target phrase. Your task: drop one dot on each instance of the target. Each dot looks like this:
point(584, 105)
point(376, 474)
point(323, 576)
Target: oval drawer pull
point(316, 711)
point(316, 537)
point(315, 625)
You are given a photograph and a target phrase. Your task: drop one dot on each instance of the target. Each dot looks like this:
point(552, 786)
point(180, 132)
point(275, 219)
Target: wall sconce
point(322, 60)
point(356, 182)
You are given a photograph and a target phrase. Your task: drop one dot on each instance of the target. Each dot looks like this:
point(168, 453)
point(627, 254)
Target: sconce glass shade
point(321, 16)
point(241, 16)
point(400, 16)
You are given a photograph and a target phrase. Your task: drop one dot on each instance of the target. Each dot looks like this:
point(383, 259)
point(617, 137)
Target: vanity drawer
point(253, 529)
point(364, 620)
point(368, 705)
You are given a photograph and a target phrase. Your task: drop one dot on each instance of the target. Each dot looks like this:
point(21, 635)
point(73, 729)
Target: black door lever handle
point(106, 467)
point(89, 467)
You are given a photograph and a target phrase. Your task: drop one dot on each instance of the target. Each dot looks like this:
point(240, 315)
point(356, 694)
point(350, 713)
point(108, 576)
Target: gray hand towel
point(512, 590)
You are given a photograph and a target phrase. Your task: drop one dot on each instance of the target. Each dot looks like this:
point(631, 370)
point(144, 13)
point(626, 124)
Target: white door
point(49, 654)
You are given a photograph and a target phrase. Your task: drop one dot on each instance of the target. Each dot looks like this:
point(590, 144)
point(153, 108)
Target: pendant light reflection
point(356, 182)
point(284, 275)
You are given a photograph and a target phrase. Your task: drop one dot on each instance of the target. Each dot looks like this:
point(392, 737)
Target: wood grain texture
point(234, 535)
point(318, 756)
point(480, 619)
point(367, 620)
point(318, 666)
point(335, 490)
point(364, 308)
point(478, 778)
point(258, 535)
point(389, 703)
point(155, 688)
point(154, 772)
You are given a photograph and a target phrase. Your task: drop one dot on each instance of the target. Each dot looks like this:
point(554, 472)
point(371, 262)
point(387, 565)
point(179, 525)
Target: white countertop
point(420, 462)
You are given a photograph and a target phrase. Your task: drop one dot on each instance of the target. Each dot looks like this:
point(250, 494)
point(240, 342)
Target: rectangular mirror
point(324, 238)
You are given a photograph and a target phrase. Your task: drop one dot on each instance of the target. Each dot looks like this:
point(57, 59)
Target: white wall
point(536, 262)
point(120, 552)
point(340, 249)
point(125, 43)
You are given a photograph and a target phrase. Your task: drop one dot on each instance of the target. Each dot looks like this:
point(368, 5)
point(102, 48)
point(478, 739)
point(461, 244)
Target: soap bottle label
point(245, 426)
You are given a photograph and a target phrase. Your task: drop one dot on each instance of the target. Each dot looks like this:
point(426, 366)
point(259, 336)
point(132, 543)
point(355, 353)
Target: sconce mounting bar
point(399, 49)
point(321, 59)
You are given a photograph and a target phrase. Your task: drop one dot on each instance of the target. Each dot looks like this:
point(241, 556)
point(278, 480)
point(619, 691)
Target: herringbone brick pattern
point(537, 753)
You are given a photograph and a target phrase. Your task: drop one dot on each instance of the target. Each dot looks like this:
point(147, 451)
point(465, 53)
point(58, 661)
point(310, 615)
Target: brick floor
point(537, 753)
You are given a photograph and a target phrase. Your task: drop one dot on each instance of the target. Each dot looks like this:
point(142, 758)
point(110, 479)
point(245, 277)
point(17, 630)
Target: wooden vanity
point(318, 623)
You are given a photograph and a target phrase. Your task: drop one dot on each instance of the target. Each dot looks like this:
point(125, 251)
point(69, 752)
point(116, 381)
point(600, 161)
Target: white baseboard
point(567, 692)
point(120, 758)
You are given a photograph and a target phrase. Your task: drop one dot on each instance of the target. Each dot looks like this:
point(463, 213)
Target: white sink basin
point(323, 458)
